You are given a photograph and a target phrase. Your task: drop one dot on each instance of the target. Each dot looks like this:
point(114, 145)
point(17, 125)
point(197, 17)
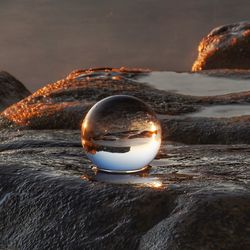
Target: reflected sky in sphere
point(121, 134)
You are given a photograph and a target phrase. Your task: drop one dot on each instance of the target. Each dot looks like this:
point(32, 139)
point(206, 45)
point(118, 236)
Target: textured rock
point(50, 199)
point(11, 90)
point(207, 222)
point(193, 197)
point(63, 105)
point(225, 47)
point(241, 74)
point(199, 130)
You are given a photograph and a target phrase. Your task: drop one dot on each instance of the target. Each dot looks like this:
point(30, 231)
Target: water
point(223, 111)
point(42, 41)
point(121, 134)
point(195, 84)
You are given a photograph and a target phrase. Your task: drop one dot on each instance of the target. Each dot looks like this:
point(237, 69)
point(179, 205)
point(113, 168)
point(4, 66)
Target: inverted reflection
point(121, 134)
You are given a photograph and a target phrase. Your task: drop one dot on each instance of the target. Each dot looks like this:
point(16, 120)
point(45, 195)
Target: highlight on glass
point(121, 134)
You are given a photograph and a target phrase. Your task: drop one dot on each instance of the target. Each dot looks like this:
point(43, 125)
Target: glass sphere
point(121, 134)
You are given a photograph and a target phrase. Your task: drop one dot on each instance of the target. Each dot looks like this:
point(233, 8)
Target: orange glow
point(153, 128)
point(77, 73)
point(246, 33)
point(155, 184)
point(84, 177)
point(213, 43)
point(85, 124)
point(116, 78)
point(153, 131)
point(233, 41)
point(38, 108)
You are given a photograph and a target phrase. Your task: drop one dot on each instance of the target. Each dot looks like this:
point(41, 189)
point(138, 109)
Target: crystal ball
point(121, 134)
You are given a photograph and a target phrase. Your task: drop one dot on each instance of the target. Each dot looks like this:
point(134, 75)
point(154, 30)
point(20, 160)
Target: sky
point(44, 40)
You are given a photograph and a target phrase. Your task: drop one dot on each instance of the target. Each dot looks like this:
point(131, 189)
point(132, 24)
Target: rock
point(209, 223)
point(11, 90)
point(225, 47)
point(192, 197)
point(202, 130)
point(238, 74)
point(63, 105)
point(50, 198)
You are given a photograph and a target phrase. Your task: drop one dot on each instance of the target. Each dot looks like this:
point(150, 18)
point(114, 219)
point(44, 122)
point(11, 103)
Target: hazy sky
point(43, 40)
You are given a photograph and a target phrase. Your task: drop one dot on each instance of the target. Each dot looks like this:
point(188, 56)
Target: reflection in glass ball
point(121, 134)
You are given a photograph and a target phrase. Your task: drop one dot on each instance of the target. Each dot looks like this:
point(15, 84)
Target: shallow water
point(42, 41)
point(223, 111)
point(195, 84)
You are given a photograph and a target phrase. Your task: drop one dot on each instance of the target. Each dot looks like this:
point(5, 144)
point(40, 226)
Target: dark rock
point(201, 130)
point(11, 90)
point(241, 74)
point(193, 196)
point(225, 47)
point(205, 221)
point(46, 201)
point(63, 105)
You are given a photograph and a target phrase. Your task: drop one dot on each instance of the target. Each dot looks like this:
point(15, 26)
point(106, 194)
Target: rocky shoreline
point(11, 90)
point(194, 196)
point(51, 200)
point(63, 105)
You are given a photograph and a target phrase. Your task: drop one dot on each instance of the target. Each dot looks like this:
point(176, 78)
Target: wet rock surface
point(11, 90)
point(51, 199)
point(225, 47)
point(191, 226)
point(63, 105)
point(203, 83)
point(194, 196)
point(202, 130)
